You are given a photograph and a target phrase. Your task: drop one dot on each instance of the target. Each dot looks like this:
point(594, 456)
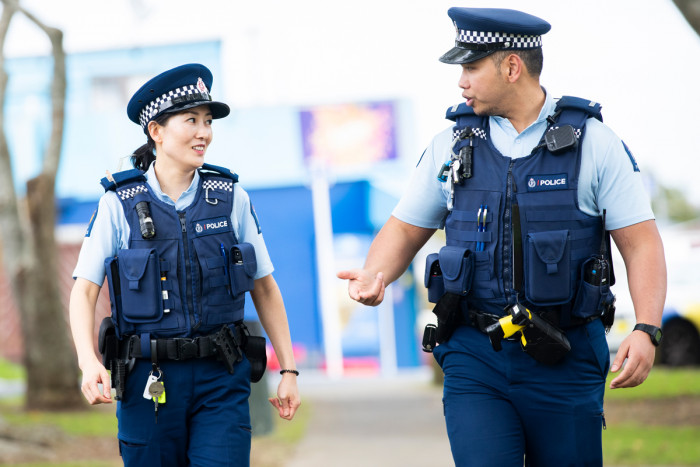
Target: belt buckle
point(186, 349)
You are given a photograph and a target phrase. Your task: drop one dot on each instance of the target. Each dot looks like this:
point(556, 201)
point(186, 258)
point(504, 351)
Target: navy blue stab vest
point(540, 193)
point(191, 277)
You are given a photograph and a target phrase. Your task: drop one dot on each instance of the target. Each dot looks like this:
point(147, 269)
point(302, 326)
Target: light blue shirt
point(607, 179)
point(110, 230)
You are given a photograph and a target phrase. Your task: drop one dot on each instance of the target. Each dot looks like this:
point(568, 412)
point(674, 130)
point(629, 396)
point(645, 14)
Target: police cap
point(483, 31)
point(180, 88)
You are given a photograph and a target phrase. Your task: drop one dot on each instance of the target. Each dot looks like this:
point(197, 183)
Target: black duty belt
point(178, 348)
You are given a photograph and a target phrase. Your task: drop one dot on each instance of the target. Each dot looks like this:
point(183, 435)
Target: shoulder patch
point(255, 217)
point(635, 166)
point(90, 224)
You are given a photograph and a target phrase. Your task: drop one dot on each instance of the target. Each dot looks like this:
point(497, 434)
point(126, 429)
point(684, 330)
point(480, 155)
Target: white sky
point(637, 57)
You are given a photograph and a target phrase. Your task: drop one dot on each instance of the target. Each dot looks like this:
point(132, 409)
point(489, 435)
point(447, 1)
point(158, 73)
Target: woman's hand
point(287, 400)
point(93, 374)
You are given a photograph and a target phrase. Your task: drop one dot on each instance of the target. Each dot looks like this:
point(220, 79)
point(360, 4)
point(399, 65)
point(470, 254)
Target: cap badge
point(201, 86)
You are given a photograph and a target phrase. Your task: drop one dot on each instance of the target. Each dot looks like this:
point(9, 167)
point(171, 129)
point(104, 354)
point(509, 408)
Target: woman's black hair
point(143, 156)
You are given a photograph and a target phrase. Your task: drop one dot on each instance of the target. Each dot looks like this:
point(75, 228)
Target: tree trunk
point(30, 253)
point(691, 11)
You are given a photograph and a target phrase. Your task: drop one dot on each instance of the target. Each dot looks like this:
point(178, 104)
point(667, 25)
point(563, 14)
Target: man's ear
point(514, 67)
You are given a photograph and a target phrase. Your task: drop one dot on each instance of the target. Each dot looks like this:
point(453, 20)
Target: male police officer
point(521, 184)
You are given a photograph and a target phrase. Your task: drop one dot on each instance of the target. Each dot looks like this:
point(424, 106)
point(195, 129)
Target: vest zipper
point(188, 274)
point(508, 250)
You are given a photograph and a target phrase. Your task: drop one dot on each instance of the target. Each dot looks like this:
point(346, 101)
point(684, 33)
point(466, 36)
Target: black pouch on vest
point(433, 278)
point(457, 265)
point(243, 266)
point(256, 354)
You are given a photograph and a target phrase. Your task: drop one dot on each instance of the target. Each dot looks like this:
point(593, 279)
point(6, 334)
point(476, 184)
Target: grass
point(631, 444)
point(97, 421)
point(12, 371)
point(663, 382)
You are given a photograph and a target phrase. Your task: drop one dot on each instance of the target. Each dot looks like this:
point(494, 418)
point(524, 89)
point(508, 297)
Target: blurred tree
point(671, 204)
point(29, 247)
point(691, 11)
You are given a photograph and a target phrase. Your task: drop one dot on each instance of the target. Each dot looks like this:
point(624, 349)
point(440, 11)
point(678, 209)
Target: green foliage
point(9, 370)
point(663, 382)
point(632, 444)
point(672, 204)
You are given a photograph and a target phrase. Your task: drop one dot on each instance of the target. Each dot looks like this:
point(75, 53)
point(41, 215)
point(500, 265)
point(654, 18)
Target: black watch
point(654, 333)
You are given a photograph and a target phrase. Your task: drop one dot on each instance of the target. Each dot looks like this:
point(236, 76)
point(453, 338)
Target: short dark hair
point(532, 58)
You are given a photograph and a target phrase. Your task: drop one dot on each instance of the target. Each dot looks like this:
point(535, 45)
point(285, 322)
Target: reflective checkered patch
point(131, 192)
point(515, 41)
point(220, 185)
point(478, 132)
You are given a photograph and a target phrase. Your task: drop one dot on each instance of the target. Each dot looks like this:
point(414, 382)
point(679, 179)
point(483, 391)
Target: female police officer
point(180, 245)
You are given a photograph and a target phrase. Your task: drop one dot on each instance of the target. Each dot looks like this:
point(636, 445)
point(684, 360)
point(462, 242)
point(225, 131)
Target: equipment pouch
point(448, 311)
point(256, 354)
point(433, 278)
point(457, 265)
point(140, 285)
point(542, 347)
point(107, 342)
point(547, 266)
point(242, 266)
point(590, 298)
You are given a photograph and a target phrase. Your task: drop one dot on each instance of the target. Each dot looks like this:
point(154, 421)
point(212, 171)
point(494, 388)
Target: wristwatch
point(654, 333)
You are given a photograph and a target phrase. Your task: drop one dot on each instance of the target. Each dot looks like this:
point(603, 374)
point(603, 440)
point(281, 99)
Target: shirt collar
point(547, 109)
point(185, 198)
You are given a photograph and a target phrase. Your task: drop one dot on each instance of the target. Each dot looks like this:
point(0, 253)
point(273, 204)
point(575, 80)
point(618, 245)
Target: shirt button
point(517, 141)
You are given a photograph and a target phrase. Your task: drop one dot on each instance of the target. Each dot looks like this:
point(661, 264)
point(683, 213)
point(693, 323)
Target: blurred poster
point(345, 135)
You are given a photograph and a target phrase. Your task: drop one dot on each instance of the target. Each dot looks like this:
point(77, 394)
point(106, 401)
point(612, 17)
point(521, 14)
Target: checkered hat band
point(478, 132)
point(131, 192)
point(176, 96)
point(516, 41)
point(217, 185)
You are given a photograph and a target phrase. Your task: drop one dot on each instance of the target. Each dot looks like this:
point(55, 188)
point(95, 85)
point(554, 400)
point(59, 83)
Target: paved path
point(383, 422)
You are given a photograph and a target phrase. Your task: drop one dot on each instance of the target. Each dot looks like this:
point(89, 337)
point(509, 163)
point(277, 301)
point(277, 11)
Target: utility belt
point(538, 336)
point(228, 345)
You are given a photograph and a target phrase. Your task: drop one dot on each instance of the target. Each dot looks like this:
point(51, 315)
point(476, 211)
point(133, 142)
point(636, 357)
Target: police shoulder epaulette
point(209, 169)
point(111, 182)
point(576, 103)
point(458, 110)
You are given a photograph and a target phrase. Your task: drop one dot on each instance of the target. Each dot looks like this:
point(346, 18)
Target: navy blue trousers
point(504, 407)
point(205, 420)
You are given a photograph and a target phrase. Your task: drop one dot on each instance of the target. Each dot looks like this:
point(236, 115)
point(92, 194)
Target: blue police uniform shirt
point(607, 178)
point(110, 230)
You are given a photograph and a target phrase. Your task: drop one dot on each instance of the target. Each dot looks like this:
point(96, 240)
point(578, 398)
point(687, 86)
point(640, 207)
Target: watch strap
point(653, 331)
